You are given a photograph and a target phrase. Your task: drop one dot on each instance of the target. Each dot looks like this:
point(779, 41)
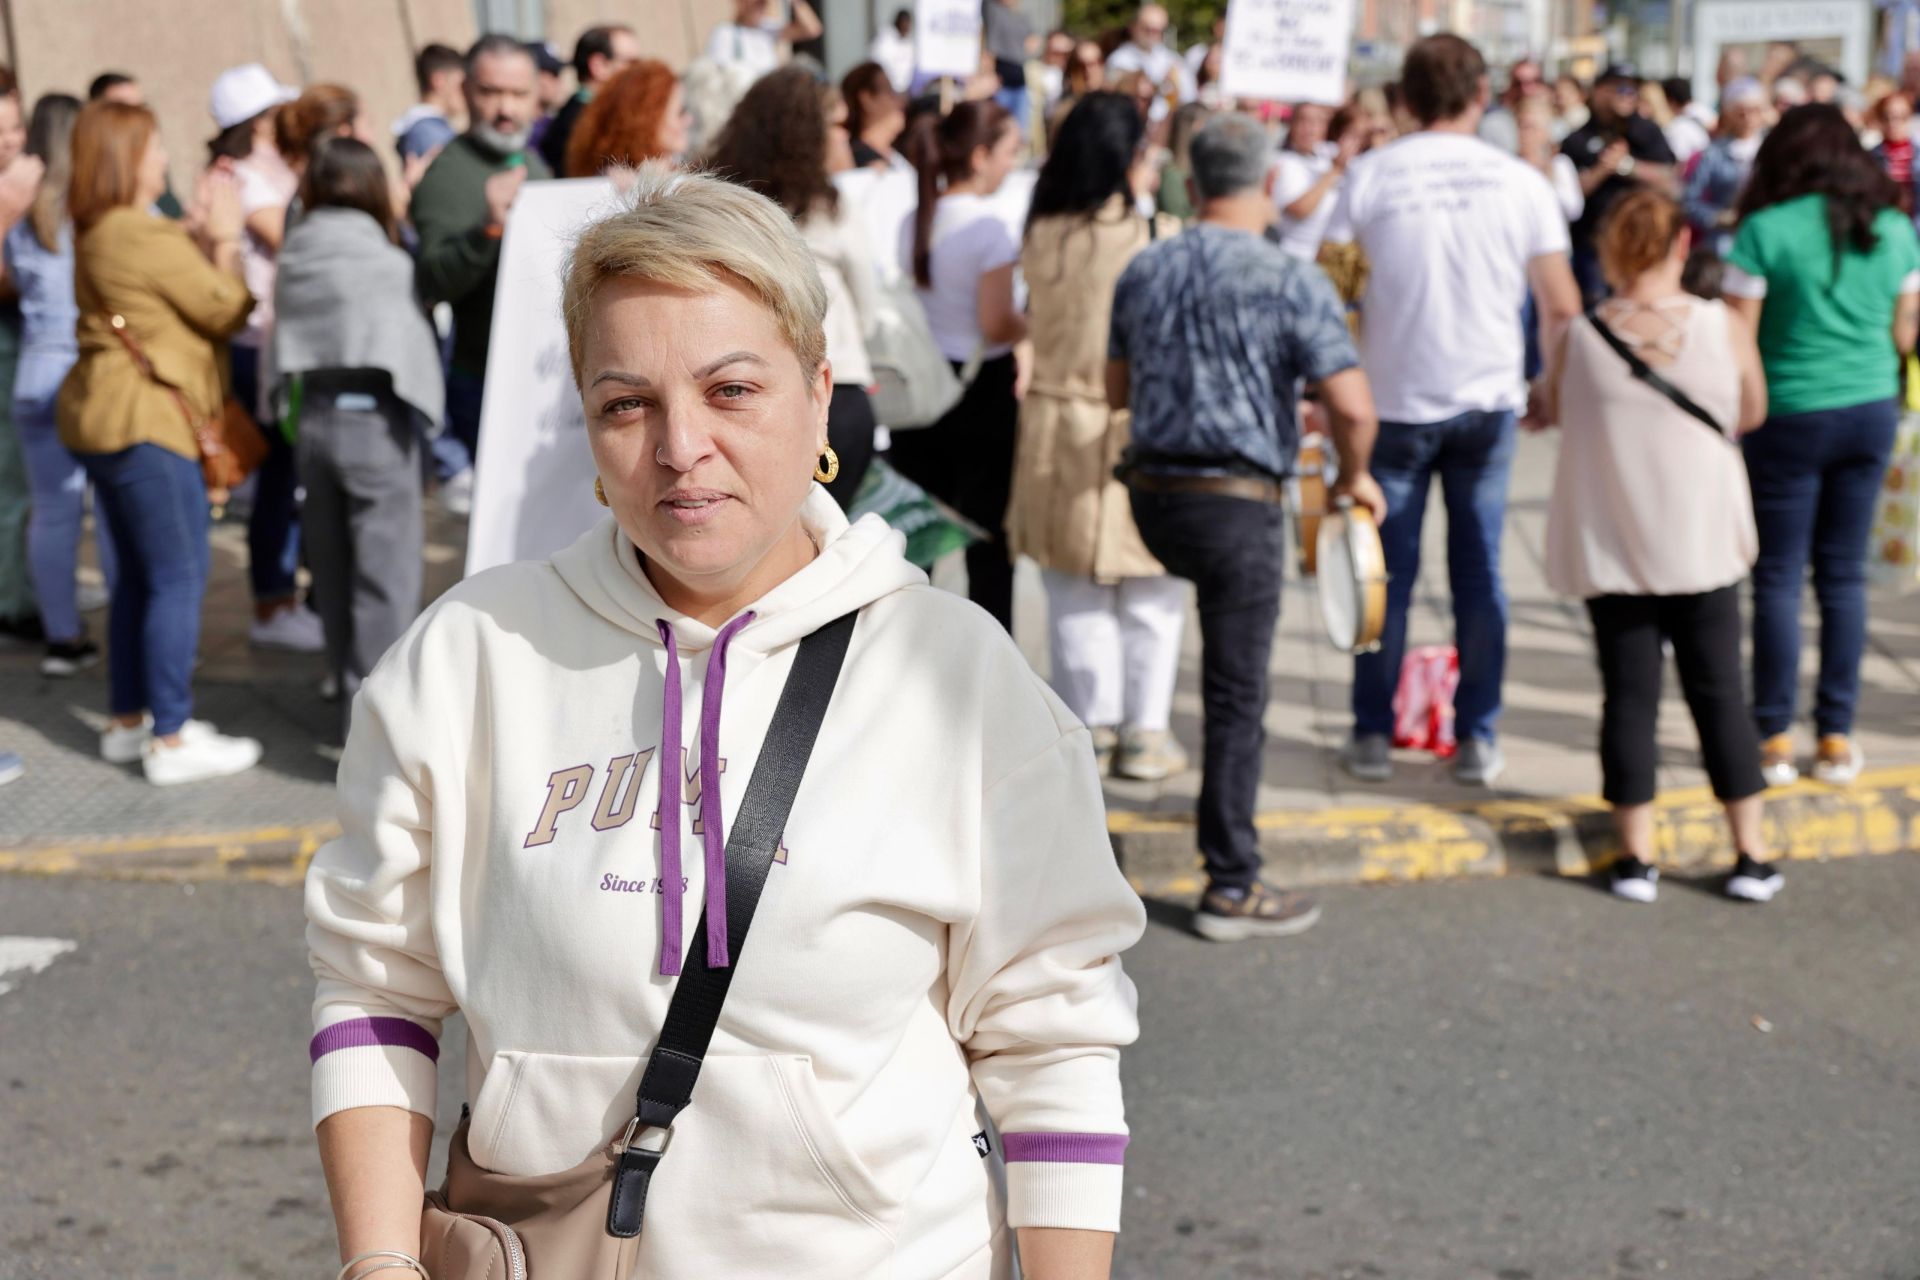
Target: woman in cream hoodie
point(935, 956)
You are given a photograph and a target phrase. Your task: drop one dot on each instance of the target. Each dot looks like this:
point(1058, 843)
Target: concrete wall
point(177, 47)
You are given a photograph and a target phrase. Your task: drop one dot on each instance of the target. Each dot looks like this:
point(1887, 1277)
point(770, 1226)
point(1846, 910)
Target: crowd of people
point(1146, 296)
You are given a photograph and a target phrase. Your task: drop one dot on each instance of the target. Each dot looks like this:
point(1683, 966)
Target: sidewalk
point(74, 812)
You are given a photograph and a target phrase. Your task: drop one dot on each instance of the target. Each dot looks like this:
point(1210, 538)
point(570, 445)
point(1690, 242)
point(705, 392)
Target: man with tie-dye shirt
point(1213, 332)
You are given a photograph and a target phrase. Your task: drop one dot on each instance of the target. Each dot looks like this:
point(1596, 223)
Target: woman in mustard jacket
point(155, 310)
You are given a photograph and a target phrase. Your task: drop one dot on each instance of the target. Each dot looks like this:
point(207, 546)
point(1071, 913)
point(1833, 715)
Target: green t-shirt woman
point(1827, 269)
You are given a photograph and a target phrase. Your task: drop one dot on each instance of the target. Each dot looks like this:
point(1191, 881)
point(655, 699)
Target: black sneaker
point(69, 657)
point(1634, 880)
point(1261, 911)
point(1754, 881)
point(25, 629)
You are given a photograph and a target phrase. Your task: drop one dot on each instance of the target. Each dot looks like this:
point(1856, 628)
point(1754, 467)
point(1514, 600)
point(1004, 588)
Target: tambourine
point(1307, 493)
point(1351, 578)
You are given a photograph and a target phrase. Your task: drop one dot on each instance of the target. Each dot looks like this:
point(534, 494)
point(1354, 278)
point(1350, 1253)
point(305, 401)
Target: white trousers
point(1116, 649)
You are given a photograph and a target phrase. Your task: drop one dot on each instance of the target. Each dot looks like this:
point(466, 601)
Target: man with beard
point(460, 210)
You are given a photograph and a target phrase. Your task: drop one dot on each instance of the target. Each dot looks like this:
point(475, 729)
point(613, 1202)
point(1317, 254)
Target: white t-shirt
point(1295, 176)
point(970, 238)
point(894, 53)
point(1449, 225)
point(757, 49)
point(1687, 136)
point(265, 182)
point(1161, 64)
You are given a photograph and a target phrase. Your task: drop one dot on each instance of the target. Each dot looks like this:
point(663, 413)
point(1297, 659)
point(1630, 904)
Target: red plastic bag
point(1423, 702)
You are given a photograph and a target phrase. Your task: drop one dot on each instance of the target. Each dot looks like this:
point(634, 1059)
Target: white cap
point(243, 92)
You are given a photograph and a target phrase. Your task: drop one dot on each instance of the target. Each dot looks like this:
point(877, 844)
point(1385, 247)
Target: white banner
point(1718, 24)
point(946, 38)
point(533, 489)
point(1287, 50)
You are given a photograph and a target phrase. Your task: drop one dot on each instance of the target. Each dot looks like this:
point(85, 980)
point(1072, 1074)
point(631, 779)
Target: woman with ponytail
point(961, 254)
point(1114, 614)
point(1651, 524)
point(1827, 270)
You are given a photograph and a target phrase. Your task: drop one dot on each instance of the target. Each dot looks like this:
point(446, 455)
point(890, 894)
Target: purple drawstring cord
point(710, 832)
point(673, 772)
point(672, 778)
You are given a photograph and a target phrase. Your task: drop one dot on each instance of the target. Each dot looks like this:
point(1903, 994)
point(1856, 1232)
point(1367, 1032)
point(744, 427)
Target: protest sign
point(1287, 50)
point(946, 37)
point(533, 489)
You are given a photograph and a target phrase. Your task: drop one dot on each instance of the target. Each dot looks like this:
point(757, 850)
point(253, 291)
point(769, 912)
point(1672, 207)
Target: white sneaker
point(293, 628)
point(456, 494)
point(123, 745)
point(91, 598)
point(202, 754)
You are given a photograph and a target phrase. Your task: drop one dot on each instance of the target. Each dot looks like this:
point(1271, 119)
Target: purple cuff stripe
point(357, 1032)
point(1065, 1148)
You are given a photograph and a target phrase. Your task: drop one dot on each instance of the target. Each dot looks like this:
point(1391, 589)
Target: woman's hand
point(217, 199)
point(19, 184)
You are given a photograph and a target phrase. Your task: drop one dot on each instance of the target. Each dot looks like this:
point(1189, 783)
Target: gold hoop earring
point(829, 470)
point(600, 492)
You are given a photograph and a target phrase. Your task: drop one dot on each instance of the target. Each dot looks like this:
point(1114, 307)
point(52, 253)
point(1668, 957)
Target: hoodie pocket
point(761, 1181)
point(540, 1113)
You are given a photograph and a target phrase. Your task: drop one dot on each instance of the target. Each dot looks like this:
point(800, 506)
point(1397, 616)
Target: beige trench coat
point(1067, 511)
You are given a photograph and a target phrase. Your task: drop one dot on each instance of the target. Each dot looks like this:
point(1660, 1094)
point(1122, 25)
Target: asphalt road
point(1501, 1080)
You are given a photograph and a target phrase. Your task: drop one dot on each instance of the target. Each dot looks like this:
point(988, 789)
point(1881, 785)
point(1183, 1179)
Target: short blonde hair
point(689, 230)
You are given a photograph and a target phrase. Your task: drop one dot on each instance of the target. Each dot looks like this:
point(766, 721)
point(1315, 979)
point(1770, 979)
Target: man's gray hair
point(1230, 156)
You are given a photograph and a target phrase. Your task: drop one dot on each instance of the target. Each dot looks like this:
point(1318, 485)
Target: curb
point(268, 855)
point(1568, 836)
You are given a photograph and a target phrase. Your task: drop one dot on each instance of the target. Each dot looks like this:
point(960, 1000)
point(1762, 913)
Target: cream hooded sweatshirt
point(941, 928)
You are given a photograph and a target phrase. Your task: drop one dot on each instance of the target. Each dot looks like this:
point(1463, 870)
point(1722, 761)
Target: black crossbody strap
point(1645, 372)
point(667, 1084)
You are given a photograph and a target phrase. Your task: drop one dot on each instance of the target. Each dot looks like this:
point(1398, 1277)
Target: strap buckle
point(627, 1139)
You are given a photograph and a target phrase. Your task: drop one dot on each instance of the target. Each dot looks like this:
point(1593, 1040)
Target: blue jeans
point(155, 503)
point(1473, 455)
point(1815, 479)
point(273, 527)
point(59, 487)
point(1016, 103)
point(455, 449)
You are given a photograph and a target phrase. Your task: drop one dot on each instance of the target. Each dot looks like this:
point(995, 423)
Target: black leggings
point(1705, 630)
point(966, 461)
point(850, 427)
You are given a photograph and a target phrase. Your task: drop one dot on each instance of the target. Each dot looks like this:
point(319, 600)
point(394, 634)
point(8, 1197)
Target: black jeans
point(850, 425)
point(966, 461)
point(1232, 550)
point(1705, 631)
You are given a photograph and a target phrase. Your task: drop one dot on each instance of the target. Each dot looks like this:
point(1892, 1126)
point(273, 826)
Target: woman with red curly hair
point(1652, 525)
point(641, 116)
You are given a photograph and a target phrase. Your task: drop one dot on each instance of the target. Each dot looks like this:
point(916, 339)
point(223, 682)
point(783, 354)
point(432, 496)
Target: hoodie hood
point(857, 565)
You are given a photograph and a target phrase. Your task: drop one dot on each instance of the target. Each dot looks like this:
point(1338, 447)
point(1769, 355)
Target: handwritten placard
point(1287, 50)
point(946, 37)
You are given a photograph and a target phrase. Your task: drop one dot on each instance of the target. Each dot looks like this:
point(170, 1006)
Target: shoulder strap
point(667, 1084)
point(118, 324)
point(1645, 372)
